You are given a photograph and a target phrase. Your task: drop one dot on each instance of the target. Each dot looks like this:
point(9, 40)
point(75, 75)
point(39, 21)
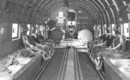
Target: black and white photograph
point(64, 39)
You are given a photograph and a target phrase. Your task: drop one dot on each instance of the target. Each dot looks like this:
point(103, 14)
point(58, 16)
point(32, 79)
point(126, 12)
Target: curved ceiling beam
point(82, 12)
point(88, 5)
point(104, 8)
point(42, 4)
point(49, 10)
point(28, 5)
point(99, 7)
point(100, 10)
point(54, 8)
point(94, 14)
point(109, 5)
point(85, 7)
point(57, 2)
point(85, 2)
point(50, 4)
point(117, 8)
point(49, 7)
point(108, 9)
point(86, 12)
point(24, 9)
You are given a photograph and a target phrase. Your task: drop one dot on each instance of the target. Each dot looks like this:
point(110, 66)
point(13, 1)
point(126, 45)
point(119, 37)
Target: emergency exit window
point(15, 31)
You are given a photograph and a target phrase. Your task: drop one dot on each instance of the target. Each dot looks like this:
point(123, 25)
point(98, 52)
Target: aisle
point(52, 70)
point(70, 65)
point(87, 69)
point(69, 73)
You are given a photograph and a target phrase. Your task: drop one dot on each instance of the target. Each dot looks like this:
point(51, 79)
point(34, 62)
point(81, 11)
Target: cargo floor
point(87, 70)
point(52, 70)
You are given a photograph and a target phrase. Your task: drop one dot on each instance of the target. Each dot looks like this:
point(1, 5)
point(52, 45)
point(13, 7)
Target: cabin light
point(2, 31)
point(71, 10)
point(79, 11)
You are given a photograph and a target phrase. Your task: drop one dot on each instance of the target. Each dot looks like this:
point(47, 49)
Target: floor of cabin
point(63, 67)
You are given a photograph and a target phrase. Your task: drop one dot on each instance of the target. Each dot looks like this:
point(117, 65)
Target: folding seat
point(30, 43)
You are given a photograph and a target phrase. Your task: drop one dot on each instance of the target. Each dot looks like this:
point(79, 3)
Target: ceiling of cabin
point(97, 10)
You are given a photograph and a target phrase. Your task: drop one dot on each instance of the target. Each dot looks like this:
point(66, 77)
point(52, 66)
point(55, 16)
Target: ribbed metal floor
point(67, 64)
point(87, 69)
point(52, 70)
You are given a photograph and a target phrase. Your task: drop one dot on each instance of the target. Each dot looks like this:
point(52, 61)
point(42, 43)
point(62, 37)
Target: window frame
point(18, 32)
point(128, 30)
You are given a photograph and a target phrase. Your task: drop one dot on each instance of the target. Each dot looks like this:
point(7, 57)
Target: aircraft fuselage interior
point(64, 39)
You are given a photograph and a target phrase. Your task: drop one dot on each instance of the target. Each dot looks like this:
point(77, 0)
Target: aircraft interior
point(64, 39)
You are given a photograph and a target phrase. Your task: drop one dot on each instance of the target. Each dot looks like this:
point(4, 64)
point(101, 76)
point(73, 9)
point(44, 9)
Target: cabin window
point(20, 30)
point(41, 28)
point(122, 29)
point(15, 31)
point(71, 16)
point(61, 17)
point(99, 29)
point(60, 14)
point(36, 31)
point(71, 22)
point(110, 28)
point(29, 29)
point(113, 28)
point(104, 28)
point(126, 30)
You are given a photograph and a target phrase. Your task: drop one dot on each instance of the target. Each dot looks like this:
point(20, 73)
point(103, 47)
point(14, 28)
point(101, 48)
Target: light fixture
point(79, 11)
